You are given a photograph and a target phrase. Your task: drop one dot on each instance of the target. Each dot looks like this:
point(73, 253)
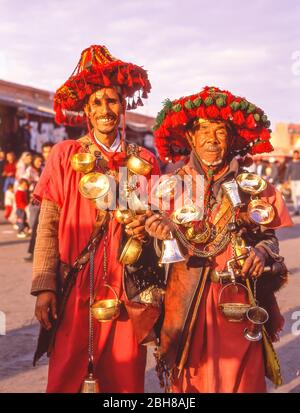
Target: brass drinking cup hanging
point(260, 212)
point(106, 309)
point(186, 214)
point(131, 251)
point(94, 185)
point(138, 165)
point(83, 162)
point(251, 183)
point(166, 187)
point(233, 311)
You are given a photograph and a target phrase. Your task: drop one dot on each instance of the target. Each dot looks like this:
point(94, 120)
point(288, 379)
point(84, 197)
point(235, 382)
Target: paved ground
point(16, 347)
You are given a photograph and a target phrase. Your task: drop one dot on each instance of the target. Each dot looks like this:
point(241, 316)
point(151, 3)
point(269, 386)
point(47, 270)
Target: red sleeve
point(51, 184)
point(282, 217)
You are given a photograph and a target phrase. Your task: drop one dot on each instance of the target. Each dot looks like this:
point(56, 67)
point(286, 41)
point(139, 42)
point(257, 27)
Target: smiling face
point(210, 141)
point(104, 109)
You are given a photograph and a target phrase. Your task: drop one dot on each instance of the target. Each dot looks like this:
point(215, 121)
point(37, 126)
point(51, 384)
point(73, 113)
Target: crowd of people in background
point(18, 179)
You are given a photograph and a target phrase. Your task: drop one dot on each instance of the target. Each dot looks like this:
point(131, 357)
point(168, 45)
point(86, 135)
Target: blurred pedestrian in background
point(22, 200)
point(9, 170)
point(34, 216)
point(293, 175)
point(271, 172)
point(24, 161)
point(2, 178)
point(9, 200)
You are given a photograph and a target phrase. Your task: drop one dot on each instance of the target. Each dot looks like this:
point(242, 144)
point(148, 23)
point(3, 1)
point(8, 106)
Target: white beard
point(215, 163)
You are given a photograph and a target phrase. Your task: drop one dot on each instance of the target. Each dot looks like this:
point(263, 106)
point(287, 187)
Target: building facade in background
point(27, 121)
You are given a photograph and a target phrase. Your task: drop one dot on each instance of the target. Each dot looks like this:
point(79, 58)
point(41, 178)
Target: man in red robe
point(95, 93)
point(205, 345)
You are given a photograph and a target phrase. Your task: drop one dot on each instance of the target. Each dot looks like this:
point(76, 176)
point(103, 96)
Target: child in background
point(9, 201)
point(9, 170)
point(22, 200)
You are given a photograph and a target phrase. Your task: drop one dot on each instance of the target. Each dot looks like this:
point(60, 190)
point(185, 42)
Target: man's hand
point(135, 227)
point(255, 263)
point(45, 303)
point(158, 227)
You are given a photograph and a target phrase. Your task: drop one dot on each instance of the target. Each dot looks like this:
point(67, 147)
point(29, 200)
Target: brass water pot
point(83, 162)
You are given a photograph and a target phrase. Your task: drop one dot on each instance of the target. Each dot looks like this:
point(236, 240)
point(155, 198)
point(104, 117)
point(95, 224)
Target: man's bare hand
point(255, 263)
point(135, 226)
point(158, 227)
point(45, 303)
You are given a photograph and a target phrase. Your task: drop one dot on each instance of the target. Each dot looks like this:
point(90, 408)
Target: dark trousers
point(33, 233)
point(21, 219)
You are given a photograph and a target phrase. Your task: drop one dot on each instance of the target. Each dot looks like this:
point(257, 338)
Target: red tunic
point(119, 360)
point(220, 359)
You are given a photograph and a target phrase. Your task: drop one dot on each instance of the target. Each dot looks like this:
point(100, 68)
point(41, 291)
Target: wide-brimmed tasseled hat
point(250, 125)
point(98, 68)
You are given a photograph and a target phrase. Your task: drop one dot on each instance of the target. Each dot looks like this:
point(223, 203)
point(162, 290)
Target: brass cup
point(83, 162)
point(138, 165)
point(260, 212)
point(186, 214)
point(233, 311)
point(94, 185)
point(107, 309)
point(131, 252)
point(251, 183)
point(166, 187)
point(257, 316)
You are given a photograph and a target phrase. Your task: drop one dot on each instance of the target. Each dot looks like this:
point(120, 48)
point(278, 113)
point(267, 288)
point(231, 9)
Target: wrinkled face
point(210, 140)
point(46, 152)
point(104, 109)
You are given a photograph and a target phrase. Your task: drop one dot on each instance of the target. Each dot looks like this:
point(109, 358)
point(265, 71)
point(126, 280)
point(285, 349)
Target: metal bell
point(90, 385)
point(170, 252)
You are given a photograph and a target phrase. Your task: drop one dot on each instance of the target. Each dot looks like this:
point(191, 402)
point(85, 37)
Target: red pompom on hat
point(97, 68)
point(248, 122)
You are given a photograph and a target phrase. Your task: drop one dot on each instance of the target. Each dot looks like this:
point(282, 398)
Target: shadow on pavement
point(17, 349)
point(288, 233)
point(17, 241)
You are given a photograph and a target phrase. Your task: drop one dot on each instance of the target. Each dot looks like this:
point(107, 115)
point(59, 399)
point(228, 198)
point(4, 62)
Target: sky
point(250, 48)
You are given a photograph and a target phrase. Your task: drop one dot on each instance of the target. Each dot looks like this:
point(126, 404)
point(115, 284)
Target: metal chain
point(91, 324)
point(202, 253)
point(254, 289)
point(104, 278)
